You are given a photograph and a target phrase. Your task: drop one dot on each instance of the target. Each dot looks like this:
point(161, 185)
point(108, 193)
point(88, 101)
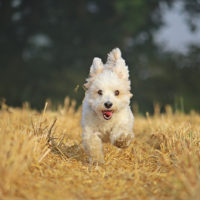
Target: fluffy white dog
point(106, 115)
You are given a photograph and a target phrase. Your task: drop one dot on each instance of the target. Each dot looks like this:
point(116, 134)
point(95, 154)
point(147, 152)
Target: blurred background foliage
point(47, 47)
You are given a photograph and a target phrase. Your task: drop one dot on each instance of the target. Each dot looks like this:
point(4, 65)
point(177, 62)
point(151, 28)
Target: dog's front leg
point(93, 146)
point(121, 138)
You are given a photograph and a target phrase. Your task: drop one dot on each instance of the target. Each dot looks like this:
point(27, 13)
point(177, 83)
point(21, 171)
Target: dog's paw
point(123, 141)
point(97, 161)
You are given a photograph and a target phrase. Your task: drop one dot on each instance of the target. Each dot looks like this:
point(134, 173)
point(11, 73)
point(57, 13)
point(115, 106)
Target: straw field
point(42, 158)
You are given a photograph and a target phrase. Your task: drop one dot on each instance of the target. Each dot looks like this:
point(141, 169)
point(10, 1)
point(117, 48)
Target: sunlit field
point(41, 157)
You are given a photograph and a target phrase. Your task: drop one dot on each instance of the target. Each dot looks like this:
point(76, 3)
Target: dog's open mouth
point(107, 114)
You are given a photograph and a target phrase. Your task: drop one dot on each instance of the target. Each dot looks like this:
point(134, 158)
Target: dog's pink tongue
point(108, 113)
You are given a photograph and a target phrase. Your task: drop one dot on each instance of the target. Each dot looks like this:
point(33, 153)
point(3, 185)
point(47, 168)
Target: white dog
point(106, 112)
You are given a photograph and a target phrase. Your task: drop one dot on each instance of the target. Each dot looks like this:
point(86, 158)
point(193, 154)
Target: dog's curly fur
point(106, 115)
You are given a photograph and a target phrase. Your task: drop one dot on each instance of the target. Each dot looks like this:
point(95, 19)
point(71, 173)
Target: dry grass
point(41, 158)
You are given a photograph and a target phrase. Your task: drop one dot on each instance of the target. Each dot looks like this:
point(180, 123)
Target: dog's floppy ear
point(97, 67)
point(113, 56)
point(117, 64)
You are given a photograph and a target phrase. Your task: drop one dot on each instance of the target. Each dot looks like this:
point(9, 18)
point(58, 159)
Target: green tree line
point(47, 47)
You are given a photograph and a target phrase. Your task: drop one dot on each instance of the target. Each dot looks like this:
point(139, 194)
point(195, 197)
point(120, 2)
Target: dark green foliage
point(46, 49)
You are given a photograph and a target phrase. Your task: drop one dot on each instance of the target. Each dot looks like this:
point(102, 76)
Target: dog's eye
point(116, 92)
point(100, 92)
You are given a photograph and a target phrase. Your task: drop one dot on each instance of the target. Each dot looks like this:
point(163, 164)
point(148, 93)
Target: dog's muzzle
point(108, 104)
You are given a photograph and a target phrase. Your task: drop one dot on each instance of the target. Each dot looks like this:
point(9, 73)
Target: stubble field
point(41, 157)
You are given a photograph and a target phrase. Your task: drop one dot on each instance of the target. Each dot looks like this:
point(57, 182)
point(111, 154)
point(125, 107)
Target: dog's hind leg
point(93, 146)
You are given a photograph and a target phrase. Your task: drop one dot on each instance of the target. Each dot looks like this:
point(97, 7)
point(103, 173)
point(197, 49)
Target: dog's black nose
point(108, 104)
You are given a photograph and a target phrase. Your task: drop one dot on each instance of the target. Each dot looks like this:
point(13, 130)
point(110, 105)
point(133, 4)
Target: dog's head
point(108, 86)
